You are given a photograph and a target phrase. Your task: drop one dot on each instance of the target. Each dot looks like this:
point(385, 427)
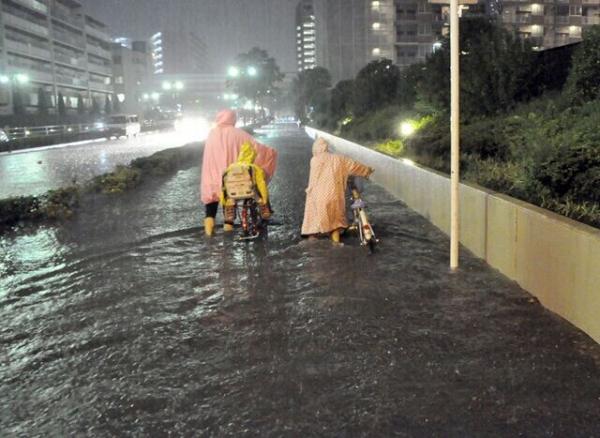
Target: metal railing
point(24, 132)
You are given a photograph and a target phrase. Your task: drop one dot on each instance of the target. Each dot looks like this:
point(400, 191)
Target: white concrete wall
point(554, 258)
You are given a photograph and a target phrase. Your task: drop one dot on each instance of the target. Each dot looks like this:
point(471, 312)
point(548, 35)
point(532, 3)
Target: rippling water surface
point(129, 322)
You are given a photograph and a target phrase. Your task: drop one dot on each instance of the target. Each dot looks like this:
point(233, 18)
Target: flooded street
point(129, 322)
point(33, 172)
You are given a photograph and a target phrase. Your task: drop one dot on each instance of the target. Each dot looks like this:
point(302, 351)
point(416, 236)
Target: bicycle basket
point(238, 182)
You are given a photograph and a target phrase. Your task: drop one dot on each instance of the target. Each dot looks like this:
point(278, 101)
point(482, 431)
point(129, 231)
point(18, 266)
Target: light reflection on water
point(130, 322)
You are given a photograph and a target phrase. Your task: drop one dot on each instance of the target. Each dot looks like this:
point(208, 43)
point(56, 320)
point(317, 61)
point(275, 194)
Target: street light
point(179, 85)
point(252, 71)
point(233, 72)
point(22, 78)
point(166, 86)
point(407, 128)
point(4, 79)
point(155, 96)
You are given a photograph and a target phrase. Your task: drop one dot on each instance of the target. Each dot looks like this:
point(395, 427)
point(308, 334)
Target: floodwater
point(33, 172)
point(129, 322)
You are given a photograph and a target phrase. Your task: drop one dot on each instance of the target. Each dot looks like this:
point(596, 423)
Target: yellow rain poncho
point(246, 160)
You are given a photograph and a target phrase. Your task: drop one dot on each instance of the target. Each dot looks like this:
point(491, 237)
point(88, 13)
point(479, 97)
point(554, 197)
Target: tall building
point(178, 52)
point(352, 33)
point(306, 41)
point(550, 23)
point(49, 47)
point(132, 71)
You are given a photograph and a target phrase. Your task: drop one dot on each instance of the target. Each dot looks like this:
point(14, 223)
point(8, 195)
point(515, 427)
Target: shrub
point(571, 172)
point(395, 148)
point(584, 79)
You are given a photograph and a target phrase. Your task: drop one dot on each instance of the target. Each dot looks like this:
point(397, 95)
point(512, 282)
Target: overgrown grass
point(62, 204)
point(545, 152)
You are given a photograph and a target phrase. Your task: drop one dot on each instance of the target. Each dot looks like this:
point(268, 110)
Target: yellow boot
point(227, 228)
point(335, 236)
point(209, 226)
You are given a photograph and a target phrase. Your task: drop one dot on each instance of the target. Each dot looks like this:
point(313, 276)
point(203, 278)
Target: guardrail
point(51, 130)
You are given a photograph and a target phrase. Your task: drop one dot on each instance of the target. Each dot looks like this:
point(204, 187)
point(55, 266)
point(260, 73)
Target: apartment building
point(550, 23)
point(178, 52)
point(306, 39)
point(132, 72)
point(51, 47)
point(343, 35)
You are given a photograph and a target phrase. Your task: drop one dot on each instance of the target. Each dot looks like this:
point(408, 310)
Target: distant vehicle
point(122, 124)
point(3, 136)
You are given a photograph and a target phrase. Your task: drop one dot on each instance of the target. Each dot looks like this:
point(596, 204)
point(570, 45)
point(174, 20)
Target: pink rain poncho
point(222, 148)
point(325, 208)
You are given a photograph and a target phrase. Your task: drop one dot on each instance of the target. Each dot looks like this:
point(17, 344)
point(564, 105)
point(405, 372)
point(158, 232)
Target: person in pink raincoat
point(325, 208)
point(221, 149)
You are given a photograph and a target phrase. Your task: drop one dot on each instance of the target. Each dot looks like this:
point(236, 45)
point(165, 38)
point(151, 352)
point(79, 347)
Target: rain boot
point(335, 236)
point(228, 228)
point(209, 226)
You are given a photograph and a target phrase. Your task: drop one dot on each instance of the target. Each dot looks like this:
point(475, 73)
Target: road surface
point(129, 322)
point(35, 171)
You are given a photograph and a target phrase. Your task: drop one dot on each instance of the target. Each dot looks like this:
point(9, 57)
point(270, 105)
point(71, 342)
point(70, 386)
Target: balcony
point(71, 81)
point(69, 40)
point(102, 69)
point(27, 49)
point(97, 33)
point(98, 51)
point(101, 86)
point(65, 17)
point(13, 20)
point(73, 61)
point(590, 20)
point(34, 5)
point(34, 75)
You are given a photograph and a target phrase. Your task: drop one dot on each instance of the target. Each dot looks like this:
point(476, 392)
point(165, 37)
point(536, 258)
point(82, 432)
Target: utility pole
point(454, 126)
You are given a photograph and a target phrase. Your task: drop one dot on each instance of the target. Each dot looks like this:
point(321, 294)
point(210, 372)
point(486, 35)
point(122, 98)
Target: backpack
point(238, 182)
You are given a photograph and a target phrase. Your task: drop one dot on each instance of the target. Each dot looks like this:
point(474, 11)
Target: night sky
point(228, 27)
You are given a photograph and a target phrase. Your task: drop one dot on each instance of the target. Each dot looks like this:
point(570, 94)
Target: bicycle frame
point(361, 220)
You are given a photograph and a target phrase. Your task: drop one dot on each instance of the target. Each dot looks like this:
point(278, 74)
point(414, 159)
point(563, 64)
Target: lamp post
point(454, 127)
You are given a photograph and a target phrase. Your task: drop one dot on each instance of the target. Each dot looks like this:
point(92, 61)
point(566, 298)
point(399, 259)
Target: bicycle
point(250, 219)
point(360, 219)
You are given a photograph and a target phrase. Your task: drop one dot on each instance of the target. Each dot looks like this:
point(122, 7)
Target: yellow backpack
point(238, 182)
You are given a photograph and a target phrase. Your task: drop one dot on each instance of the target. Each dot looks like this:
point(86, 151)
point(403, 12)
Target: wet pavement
point(128, 322)
point(33, 172)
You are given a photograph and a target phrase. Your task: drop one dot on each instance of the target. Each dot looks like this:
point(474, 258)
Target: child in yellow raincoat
point(242, 180)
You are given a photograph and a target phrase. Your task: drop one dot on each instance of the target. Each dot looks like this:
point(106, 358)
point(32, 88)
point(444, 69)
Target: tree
point(95, 109)
point(341, 100)
point(80, 105)
point(107, 105)
point(310, 92)
point(62, 109)
point(43, 102)
point(257, 76)
point(375, 86)
point(497, 69)
point(406, 93)
point(18, 103)
point(584, 79)
point(116, 105)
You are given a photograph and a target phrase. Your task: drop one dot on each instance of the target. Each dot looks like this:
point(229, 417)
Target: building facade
point(50, 48)
point(178, 52)
point(306, 38)
point(344, 35)
point(132, 72)
point(550, 23)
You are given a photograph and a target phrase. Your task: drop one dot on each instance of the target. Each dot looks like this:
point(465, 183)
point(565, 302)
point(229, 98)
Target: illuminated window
point(376, 25)
point(376, 51)
point(375, 5)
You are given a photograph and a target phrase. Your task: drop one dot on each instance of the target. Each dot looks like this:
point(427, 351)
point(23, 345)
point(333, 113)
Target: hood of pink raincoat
point(226, 118)
point(320, 146)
